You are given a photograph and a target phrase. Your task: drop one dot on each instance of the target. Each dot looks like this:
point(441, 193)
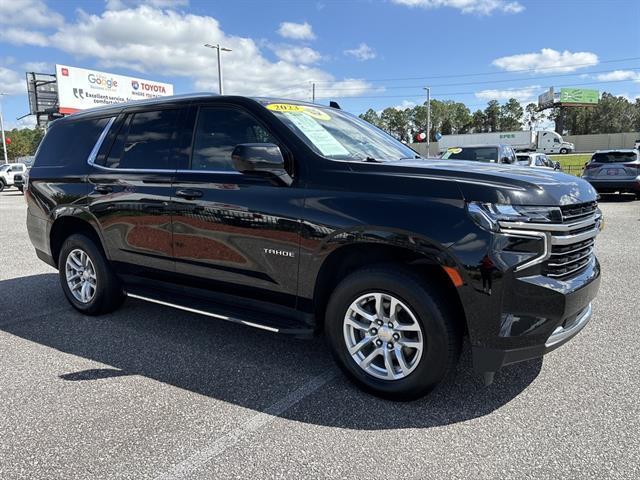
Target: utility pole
point(4, 141)
point(218, 48)
point(428, 89)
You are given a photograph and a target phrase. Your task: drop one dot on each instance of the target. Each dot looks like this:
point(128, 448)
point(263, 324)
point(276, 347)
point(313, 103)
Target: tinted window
point(523, 160)
point(478, 154)
point(69, 142)
point(146, 141)
point(218, 131)
point(614, 157)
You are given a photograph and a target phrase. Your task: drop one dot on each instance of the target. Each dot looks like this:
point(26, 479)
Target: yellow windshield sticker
point(285, 107)
point(289, 107)
point(454, 150)
point(316, 113)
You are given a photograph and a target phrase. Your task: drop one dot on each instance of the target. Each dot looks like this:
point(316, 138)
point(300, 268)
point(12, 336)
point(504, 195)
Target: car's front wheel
point(564, 151)
point(2, 185)
point(87, 278)
point(391, 333)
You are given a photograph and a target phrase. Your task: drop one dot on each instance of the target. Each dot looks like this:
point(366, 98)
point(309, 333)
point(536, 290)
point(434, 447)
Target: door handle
point(103, 189)
point(189, 193)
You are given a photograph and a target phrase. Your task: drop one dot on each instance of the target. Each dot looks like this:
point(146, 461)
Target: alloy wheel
point(81, 275)
point(383, 336)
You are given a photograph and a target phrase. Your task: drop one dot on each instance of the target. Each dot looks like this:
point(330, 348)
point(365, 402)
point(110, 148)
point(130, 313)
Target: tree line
point(22, 142)
point(611, 115)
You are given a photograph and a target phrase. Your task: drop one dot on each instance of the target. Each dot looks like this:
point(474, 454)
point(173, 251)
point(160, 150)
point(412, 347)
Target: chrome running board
point(203, 312)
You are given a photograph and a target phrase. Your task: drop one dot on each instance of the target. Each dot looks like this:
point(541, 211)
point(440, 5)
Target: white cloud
point(619, 75)
point(524, 95)
point(124, 4)
point(38, 67)
point(29, 12)
point(481, 7)
point(362, 52)
point(167, 43)
point(547, 61)
point(296, 31)
point(22, 36)
point(25, 122)
point(11, 82)
point(405, 104)
point(297, 55)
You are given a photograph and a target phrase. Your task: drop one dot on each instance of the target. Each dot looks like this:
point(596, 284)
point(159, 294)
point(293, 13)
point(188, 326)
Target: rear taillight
point(633, 166)
point(591, 165)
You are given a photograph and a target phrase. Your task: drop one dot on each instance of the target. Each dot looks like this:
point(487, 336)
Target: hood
point(497, 183)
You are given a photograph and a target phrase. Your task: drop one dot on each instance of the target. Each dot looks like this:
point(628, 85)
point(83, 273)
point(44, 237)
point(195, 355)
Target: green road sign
point(579, 95)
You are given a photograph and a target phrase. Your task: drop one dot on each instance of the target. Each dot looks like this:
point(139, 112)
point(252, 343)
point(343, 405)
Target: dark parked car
point(300, 219)
point(482, 153)
point(611, 171)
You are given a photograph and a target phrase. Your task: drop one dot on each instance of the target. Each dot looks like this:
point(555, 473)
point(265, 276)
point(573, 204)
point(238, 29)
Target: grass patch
point(572, 163)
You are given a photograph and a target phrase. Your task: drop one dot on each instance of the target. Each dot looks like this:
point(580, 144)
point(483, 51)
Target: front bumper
point(548, 315)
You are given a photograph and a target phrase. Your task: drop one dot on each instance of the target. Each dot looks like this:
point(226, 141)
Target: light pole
point(218, 48)
point(4, 141)
point(428, 89)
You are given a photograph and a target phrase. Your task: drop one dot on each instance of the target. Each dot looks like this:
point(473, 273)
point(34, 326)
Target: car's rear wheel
point(87, 278)
point(564, 151)
point(2, 185)
point(391, 333)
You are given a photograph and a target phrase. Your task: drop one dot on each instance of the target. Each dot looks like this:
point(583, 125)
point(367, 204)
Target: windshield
point(477, 154)
point(338, 135)
point(614, 157)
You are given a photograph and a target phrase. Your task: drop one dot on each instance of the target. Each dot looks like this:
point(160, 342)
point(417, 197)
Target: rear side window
point(614, 157)
point(69, 143)
point(146, 141)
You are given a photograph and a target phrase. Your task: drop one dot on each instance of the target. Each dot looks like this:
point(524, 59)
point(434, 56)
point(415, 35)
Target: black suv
point(297, 218)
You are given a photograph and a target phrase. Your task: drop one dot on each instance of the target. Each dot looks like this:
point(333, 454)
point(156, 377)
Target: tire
point(21, 189)
point(564, 151)
point(106, 295)
point(419, 304)
point(2, 185)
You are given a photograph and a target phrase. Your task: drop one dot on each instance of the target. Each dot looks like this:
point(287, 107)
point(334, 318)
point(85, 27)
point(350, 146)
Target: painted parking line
point(218, 446)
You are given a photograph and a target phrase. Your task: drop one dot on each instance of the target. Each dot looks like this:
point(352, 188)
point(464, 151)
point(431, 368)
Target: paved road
point(149, 392)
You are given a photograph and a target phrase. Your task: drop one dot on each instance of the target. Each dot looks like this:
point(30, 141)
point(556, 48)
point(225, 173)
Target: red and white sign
point(79, 88)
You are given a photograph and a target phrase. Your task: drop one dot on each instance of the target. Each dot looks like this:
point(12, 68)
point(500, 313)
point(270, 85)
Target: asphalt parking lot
point(149, 392)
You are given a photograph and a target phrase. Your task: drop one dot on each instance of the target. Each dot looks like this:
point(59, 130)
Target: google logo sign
point(102, 81)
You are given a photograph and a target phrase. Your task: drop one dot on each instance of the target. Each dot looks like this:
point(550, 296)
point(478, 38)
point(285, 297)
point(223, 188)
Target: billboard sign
point(579, 95)
point(79, 88)
point(546, 99)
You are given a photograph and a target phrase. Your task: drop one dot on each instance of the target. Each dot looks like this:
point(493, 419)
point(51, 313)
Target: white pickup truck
point(8, 171)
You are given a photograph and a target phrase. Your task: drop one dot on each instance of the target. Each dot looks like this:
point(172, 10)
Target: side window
point(146, 141)
point(218, 131)
point(539, 161)
point(555, 140)
point(68, 142)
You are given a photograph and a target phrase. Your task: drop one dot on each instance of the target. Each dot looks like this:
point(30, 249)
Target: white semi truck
point(544, 141)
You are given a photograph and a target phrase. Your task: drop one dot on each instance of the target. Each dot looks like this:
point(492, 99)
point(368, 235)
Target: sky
point(361, 53)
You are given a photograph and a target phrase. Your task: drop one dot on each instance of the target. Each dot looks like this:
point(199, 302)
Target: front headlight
point(488, 215)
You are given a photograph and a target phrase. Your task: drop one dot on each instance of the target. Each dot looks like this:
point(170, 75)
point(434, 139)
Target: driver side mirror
point(260, 158)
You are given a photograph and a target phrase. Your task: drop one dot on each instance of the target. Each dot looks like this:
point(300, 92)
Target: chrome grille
point(569, 246)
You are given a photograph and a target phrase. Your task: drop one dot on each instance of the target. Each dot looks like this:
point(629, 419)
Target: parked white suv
point(8, 171)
